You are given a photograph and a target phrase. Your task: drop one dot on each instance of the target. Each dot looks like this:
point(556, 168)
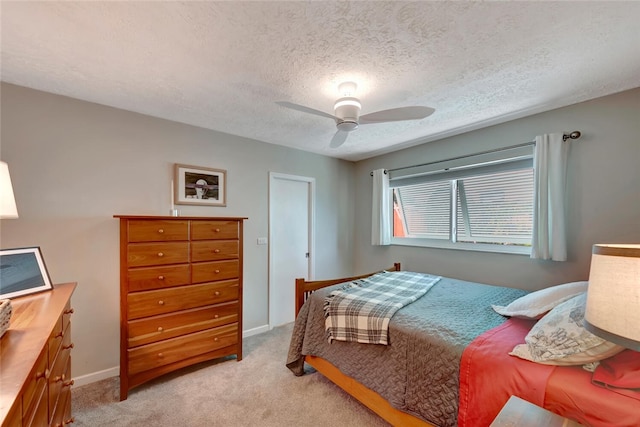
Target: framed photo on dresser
point(23, 272)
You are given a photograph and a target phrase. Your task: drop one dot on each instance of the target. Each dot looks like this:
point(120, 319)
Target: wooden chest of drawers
point(180, 294)
point(35, 354)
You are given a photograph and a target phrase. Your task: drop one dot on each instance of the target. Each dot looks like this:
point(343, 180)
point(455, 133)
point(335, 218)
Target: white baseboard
point(255, 331)
point(96, 376)
point(115, 371)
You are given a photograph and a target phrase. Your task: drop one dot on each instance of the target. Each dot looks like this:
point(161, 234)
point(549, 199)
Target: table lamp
point(8, 207)
point(613, 298)
point(7, 210)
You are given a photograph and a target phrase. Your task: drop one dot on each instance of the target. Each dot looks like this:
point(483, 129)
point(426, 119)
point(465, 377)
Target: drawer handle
point(70, 311)
point(160, 277)
point(217, 293)
point(69, 421)
point(160, 302)
point(160, 355)
point(160, 329)
point(217, 230)
point(215, 316)
point(161, 231)
point(160, 254)
point(59, 334)
point(67, 347)
point(216, 339)
point(45, 374)
point(58, 378)
point(216, 251)
point(68, 383)
point(217, 271)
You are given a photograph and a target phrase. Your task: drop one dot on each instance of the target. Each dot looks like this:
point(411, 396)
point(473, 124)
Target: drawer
point(145, 254)
point(146, 278)
point(162, 301)
point(157, 230)
point(59, 340)
point(59, 378)
point(206, 230)
point(65, 407)
point(212, 250)
point(174, 350)
point(55, 339)
point(33, 386)
point(216, 270)
point(66, 316)
point(60, 404)
point(157, 328)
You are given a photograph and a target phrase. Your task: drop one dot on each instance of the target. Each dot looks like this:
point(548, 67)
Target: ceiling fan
point(347, 113)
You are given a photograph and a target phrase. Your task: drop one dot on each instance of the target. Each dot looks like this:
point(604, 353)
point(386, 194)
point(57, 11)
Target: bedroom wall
point(75, 164)
point(603, 194)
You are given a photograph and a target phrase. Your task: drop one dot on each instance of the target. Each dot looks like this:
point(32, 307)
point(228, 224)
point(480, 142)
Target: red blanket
point(489, 376)
point(572, 394)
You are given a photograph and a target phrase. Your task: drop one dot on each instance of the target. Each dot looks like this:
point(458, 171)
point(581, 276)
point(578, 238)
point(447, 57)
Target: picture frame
point(23, 272)
point(197, 185)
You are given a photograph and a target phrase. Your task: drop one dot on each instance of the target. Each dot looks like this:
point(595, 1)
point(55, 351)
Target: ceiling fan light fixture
point(347, 109)
point(347, 113)
point(348, 101)
point(347, 126)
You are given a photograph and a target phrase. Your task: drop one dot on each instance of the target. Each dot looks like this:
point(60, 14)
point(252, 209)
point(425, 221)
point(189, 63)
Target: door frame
point(311, 183)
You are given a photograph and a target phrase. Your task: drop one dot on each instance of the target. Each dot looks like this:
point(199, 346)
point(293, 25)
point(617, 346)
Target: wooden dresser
point(180, 294)
point(35, 360)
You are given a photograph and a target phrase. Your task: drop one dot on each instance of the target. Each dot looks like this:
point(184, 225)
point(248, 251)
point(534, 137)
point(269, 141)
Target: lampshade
point(613, 298)
point(7, 201)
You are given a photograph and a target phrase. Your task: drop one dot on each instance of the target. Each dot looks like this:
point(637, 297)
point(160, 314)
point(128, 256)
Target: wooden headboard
point(305, 288)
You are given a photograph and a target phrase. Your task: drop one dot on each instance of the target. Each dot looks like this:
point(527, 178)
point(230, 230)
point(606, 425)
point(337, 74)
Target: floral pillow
point(559, 338)
point(535, 304)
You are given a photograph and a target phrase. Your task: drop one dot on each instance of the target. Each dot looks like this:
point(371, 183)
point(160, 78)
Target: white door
point(291, 217)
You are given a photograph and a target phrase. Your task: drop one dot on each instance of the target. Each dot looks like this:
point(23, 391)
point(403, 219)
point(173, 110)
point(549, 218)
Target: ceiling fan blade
point(304, 109)
point(397, 114)
point(338, 139)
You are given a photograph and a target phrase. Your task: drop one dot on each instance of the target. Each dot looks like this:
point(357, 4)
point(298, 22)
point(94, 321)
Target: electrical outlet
point(262, 240)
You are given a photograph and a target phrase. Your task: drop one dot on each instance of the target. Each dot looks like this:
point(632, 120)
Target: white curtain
point(549, 211)
point(380, 211)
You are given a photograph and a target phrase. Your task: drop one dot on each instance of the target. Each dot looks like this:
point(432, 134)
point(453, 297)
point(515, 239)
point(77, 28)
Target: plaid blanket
point(361, 310)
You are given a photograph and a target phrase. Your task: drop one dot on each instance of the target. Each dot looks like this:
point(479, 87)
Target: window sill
point(478, 247)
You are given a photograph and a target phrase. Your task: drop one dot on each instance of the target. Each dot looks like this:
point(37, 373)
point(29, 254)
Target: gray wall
point(603, 187)
point(75, 164)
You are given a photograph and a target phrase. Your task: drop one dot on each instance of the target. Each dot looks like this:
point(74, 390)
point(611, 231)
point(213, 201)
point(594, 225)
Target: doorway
point(291, 236)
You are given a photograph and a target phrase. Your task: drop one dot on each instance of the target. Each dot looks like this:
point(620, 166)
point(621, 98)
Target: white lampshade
point(613, 298)
point(8, 207)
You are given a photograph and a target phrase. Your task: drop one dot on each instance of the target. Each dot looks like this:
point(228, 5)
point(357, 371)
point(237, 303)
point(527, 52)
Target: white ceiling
point(223, 65)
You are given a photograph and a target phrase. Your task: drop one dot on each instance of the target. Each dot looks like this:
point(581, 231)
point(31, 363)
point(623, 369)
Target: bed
point(440, 369)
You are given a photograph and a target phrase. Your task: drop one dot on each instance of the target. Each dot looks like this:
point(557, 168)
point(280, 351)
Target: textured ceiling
point(224, 65)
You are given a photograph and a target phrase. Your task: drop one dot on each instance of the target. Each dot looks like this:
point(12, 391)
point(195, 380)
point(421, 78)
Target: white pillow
point(536, 304)
point(559, 338)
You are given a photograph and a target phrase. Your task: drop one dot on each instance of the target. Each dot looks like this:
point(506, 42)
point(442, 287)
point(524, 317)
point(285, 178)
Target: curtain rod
point(573, 135)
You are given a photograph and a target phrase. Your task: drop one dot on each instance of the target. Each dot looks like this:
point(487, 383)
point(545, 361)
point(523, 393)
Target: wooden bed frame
point(363, 394)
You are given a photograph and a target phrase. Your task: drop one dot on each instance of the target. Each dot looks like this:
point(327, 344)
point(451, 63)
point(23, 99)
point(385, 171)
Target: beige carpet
point(257, 391)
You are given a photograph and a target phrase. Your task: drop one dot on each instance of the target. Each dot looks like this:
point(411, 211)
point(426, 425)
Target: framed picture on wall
point(22, 272)
point(197, 185)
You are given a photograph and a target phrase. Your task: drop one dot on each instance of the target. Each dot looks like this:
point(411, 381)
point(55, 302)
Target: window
point(482, 202)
